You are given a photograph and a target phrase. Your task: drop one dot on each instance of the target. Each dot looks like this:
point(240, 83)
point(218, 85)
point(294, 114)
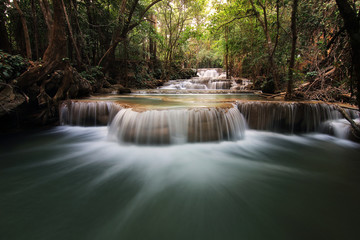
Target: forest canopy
point(70, 48)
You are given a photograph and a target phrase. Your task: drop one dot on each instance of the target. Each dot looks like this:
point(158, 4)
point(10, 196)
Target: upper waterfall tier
point(208, 73)
point(207, 79)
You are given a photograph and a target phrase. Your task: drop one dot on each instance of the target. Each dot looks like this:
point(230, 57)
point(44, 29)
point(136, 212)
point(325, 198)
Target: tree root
point(51, 82)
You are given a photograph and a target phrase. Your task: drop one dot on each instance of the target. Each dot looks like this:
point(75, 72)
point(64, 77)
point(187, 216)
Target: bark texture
point(25, 29)
point(352, 26)
point(293, 49)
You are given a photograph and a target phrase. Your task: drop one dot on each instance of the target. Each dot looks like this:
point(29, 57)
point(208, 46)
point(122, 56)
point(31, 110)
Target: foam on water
point(75, 183)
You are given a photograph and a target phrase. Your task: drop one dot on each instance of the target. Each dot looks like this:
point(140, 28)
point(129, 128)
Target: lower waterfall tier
point(290, 117)
point(204, 124)
point(177, 126)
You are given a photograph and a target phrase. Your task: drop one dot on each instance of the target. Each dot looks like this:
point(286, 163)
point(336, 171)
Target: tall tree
point(72, 37)
point(293, 49)
point(173, 17)
point(45, 8)
point(25, 29)
point(125, 24)
point(54, 54)
point(270, 45)
point(4, 38)
point(152, 41)
point(352, 25)
point(35, 28)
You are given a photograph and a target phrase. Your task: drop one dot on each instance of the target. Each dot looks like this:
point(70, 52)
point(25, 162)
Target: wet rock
point(9, 100)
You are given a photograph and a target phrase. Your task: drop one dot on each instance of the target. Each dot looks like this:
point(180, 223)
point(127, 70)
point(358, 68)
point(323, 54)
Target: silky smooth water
point(167, 101)
point(77, 183)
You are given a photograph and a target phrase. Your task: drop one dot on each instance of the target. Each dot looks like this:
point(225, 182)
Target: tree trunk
point(56, 50)
point(45, 8)
point(55, 53)
point(54, 79)
point(83, 42)
point(122, 30)
point(270, 49)
point(78, 55)
point(152, 42)
point(35, 28)
point(352, 26)
point(4, 38)
point(120, 33)
point(89, 13)
point(126, 59)
point(227, 52)
point(293, 49)
point(25, 29)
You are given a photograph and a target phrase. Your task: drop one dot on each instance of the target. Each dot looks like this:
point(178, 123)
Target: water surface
point(75, 183)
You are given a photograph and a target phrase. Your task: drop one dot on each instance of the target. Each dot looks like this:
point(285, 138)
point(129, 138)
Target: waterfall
point(289, 117)
point(185, 84)
point(207, 79)
point(204, 124)
point(87, 113)
point(177, 126)
point(220, 85)
point(208, 73)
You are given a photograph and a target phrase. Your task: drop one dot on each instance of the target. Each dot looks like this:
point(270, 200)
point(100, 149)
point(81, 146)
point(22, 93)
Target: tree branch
point(354, 125)
point(234, 19)
point(342, 29)
point(143, 14)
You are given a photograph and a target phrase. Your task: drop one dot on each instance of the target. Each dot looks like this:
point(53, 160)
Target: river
point(116, 181)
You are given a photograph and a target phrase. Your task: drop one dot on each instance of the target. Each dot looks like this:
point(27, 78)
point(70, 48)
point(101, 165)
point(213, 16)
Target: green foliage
point(93, 75)
point(11, 66)
point(189, 34)
point(311, 74)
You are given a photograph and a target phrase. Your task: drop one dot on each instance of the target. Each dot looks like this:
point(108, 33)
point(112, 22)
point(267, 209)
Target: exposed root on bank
point(43, 86)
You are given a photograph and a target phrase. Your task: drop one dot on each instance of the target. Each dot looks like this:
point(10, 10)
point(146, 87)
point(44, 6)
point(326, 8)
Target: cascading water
point(208, 73)
point(185, 84)
point(87, 113)
point(208, 79)
point(156, 126)
point(177, 126)
point(182, 167)
point(204, 124)
point(220, 84)
point(289, 117)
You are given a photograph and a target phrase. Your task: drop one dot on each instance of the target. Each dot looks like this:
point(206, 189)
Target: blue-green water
point(166, 101)
point(76, 183)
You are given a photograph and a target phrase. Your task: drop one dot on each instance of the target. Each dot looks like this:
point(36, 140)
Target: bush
point(11, 66)
point(93, 75)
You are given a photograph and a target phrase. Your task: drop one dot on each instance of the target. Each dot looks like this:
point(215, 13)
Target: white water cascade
point(177, 126)
point(208, 73)
point(87, 113)
point(183, 166)
point(207, 79)
point(295, 117)
point(220, 84)
point(169, 126)
point(204, 124)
